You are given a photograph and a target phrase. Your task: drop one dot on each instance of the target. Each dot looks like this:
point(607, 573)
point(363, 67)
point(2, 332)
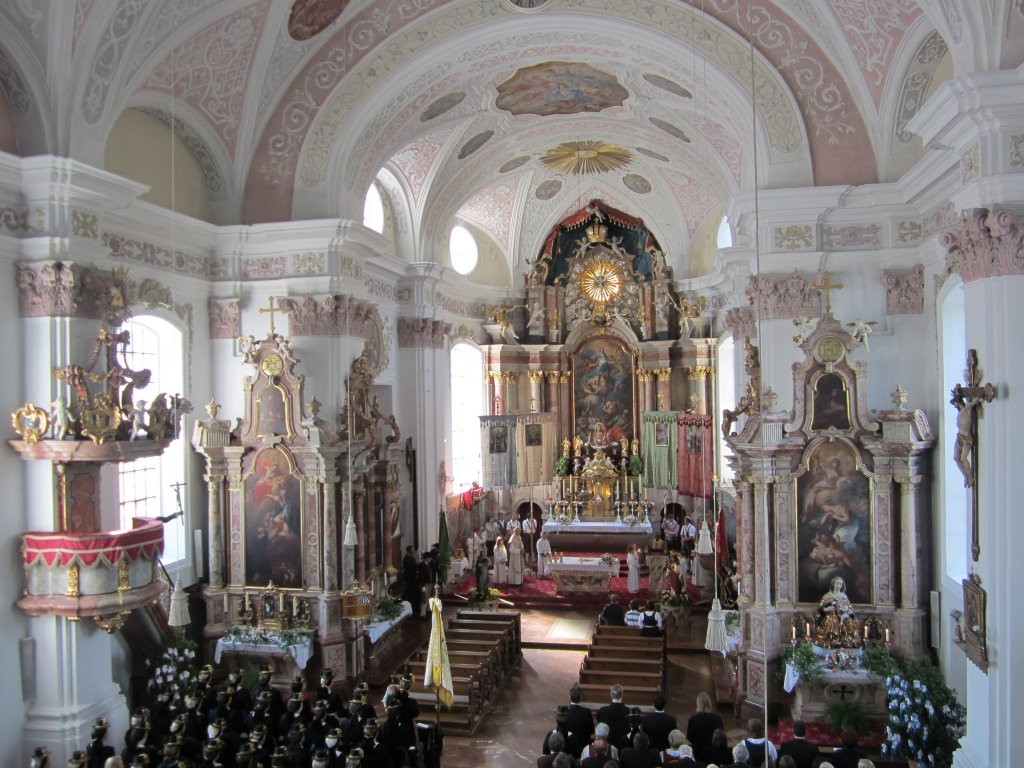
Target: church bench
point(622, 664)
point(472, 620)
point(609, 677)
point(510, 620)
point(457, 721)
point(463, 688)
point(623, 650)
point(460, 643)
point(483, 661)
point(632, 695)
point(500, 641)
point(474, 671)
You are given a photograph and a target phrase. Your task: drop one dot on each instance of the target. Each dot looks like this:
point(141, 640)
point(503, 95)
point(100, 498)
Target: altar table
point(582, 574)
point(611, 535)
point(300, 652)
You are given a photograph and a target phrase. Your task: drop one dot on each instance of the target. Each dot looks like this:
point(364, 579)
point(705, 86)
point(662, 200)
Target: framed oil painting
point(604, 392)
point(833, 524)
point(273, 521)
point(694, 438)
point(831, 403)
point(534, 435)
point(661, 436)
point(499, 439)
point(272, 412)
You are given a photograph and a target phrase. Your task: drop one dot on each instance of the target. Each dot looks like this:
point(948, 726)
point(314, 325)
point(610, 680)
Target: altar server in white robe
point(515, 560)
point(633, 566)
point(471, 550)
point(500, 562)
point(543, 556)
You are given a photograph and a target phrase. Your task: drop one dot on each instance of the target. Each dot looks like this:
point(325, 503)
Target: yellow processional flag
point(438, 676)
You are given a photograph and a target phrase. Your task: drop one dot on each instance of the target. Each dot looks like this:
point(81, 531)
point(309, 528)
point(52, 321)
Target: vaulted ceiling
point(665, 109)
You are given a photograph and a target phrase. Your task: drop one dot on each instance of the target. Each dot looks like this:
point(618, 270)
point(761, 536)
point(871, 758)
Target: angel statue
point(861, 331)
point(139, 421)
point(60, 419)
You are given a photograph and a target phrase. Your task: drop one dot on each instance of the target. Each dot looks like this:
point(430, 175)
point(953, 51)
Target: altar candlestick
point(865, 631)
point(226, 604)
point(616, 490)
point(794, 632)
point(886, 635)
point(807, 629)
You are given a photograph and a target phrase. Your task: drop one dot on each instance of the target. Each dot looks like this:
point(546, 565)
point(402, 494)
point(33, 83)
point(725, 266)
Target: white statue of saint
point(60, 419)
point(139, 421)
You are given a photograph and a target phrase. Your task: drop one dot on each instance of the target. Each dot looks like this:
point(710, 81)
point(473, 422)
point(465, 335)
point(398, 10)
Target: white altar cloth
point(378, 629)
point(598, 527)
point(301, 652)
point(583, 565)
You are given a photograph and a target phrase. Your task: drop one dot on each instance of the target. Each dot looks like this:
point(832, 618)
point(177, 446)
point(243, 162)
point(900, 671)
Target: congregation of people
point(229, 726)
point(621, 736)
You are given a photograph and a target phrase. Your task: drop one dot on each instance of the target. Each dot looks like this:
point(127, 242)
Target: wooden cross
point(967, 401)
point(271, 310)
point(825, 285)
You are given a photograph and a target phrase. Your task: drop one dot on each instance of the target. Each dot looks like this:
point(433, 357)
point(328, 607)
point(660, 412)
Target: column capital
point(986, 244)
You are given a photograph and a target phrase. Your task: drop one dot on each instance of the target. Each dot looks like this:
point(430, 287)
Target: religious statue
point(565, 448)
point(635, 447)
point(139, 421)
point(861, 330)
point(964, 445)
point(623, 446)
point(836, 623)
point(60, 419)
point(577, 445)
point(752, 357)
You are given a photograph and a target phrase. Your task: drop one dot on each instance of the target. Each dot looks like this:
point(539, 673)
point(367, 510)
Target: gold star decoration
point(579, 157)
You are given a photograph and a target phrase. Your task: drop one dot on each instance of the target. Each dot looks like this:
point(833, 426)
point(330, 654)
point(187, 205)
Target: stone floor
point(524, 711)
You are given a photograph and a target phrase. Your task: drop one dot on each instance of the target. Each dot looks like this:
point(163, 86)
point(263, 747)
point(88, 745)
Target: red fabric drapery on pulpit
point(65, 548)
point(695, 452)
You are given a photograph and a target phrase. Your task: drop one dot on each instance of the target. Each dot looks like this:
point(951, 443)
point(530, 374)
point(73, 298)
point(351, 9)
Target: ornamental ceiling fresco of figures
point(291, 109)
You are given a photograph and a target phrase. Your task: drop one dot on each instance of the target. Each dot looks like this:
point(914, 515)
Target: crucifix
point(271, 310)
point(968, 403)
point(825, 285)
point(842, 691)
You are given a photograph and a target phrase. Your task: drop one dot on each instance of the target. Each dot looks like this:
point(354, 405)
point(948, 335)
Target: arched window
point(373, 210)
point(146, 486)
point(467, 380)
point(463, 250)
point(724, 233)
point(954, 341)
point(725, 395)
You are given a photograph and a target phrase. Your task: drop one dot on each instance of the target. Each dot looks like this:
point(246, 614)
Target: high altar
point(301, 515)
point(827, 494)
point(602, 341)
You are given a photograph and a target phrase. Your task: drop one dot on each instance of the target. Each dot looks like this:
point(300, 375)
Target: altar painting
point(272, 412)
point(273, 521)
point(831, 403)
point(603, 392)
point(833, 524)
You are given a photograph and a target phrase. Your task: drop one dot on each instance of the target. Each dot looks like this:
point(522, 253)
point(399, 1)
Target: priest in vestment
point(633, 567)
point(543, 555)
point(500, 561)
point(515, 559)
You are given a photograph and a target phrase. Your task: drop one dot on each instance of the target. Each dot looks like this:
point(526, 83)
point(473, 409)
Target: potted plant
point(926, 722)
point(487, 599)
point(842, 716)
point(807, 663)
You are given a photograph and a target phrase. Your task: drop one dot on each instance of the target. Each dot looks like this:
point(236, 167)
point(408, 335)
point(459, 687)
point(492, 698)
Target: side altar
point(300, 518)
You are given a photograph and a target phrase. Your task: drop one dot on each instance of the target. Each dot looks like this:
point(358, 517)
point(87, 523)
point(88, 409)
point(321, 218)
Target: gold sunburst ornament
point(579, 157)
point(602, 281)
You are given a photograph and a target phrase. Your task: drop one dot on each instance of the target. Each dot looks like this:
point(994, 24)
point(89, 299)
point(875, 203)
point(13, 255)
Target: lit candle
point(616, 490)
point(887, 635)
point(226, 606)
point(794, 632)
point(865, 631)
point(807, 629)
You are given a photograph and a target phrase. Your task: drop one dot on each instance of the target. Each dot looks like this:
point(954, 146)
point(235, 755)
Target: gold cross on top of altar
point(825, 285)
point(271, 310)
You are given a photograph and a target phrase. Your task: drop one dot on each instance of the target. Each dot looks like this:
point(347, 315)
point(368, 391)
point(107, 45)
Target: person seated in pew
point(612, 614)
point(632, 616)
point(600, 745)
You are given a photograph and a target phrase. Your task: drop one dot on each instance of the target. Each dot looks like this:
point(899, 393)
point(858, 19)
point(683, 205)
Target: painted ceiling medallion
point(668, 85)
point(548, 189)
point(474, 144)
point(602, 281)
point(652, 154)
point(311, 17)
point(560, 88)
point(516, 162)
point(636, 183)
point(442, 105)
point(670, 129)
point(579, 157)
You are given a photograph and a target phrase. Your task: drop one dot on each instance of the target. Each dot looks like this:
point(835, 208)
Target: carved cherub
point(60, 419)
point(861, 330)
point(139, 420)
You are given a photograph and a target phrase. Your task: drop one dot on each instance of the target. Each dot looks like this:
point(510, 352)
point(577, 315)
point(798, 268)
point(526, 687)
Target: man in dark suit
point(658, 724)
point(848, 755)
point(612, 614)
point(410, 580)
point(640, 755)
point(803, 752)
point(616, 717)
point(579, 724)
point(701, 725)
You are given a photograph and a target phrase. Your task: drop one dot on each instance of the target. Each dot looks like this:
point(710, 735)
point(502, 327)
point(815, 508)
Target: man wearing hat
point(323, 722)
point(98, 751)
point(395, 733)
point(325, 693)
point(355, 758)
point(244, 755)
point(261, 745)
point(172, 752)
point(211, 754)
point(366, 709)
point(410, 707)
point(40, 758)
point(376, 754)
point(335, 749)
point(321, 759)
point(276, 706)
point(79, 759)
point(352, 726)
point(139, 744)
point(292, 715)
point(241, 698)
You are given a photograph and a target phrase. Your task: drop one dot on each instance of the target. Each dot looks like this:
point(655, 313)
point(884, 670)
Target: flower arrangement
point(492, 595)
point(841, 660)
point(804, 660)
point(387, 608)
point(926, 722)
point(173, 672)
point(562, 519)
point(631, 519)
point(562, 465)
point(674, 599)
point(283, 639)
point(609, 559)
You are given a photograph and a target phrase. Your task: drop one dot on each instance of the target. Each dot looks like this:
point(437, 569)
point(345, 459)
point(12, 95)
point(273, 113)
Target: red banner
point(695, 451)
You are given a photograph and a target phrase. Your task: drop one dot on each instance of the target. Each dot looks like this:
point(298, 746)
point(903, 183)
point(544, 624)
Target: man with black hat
point(211, 754)
point(40, 758)
point(410, 579)
point(395, 732)
point(352, 726)
point(355, 758)
point(323, 722)
point(139, 744)
point(325, 693)
point(321, 759)
point(296, 749)
point(376, 754)
point(262, 745)
point(276, 706)
point(292, 715)
point(366, 709)
point(97, 750)
point(410, 707)
point(335, 749)
point(241, 699)
point(260, 714)
point(78, 759)
point(229, 740)
point(172, 753)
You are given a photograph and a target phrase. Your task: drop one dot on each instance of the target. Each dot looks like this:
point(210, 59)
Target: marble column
point(698, 376)
point(745, 539)
point(535, 377)
point(551, 391)
point(215, 518)
point(664, 395)
point(910, 615)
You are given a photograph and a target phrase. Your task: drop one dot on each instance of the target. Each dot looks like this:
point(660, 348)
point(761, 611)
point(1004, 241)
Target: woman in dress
point(543, 556)
point(633, 565)
point(500, 561)
point(480, 542)
point(515, 559)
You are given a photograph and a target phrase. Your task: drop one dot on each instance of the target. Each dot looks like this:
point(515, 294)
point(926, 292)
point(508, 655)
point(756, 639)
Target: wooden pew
point(514, 620)
point(474, 671)
point(500, 640)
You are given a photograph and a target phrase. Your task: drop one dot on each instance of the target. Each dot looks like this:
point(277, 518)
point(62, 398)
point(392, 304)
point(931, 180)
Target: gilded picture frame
point(974, 644)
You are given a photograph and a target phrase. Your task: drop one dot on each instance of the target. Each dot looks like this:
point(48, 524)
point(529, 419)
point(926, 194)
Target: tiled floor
point(514, 727)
